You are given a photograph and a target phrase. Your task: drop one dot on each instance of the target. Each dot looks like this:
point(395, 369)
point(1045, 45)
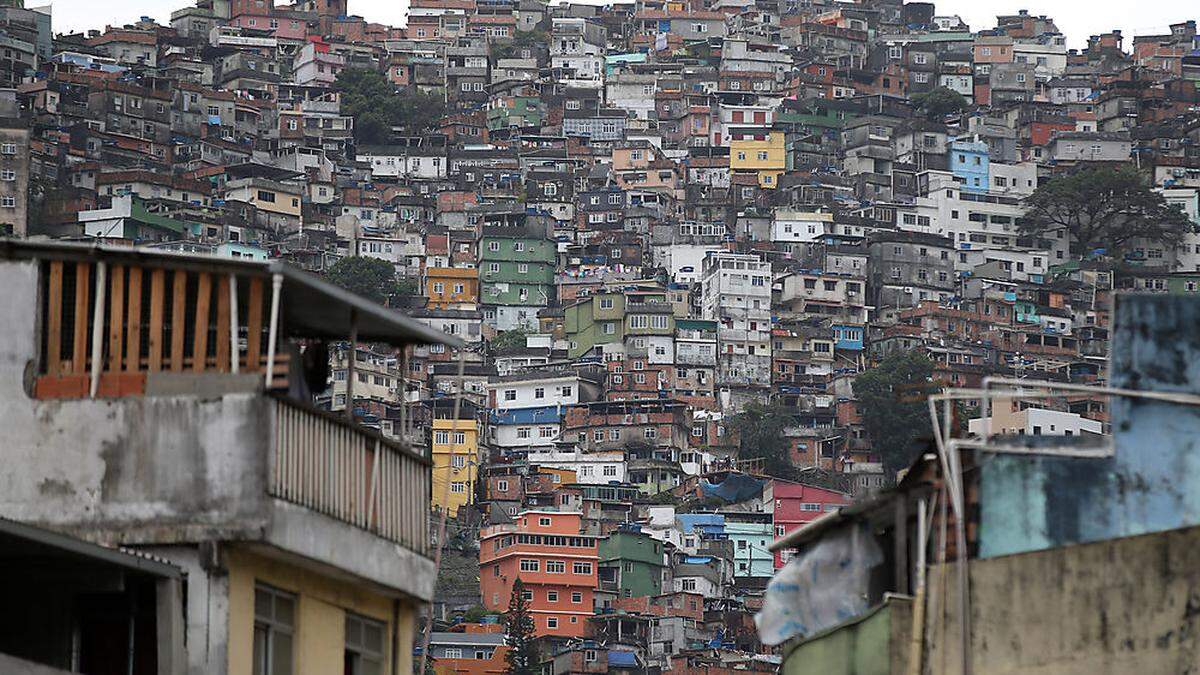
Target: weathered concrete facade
point(183, 472)
point(1121, 606)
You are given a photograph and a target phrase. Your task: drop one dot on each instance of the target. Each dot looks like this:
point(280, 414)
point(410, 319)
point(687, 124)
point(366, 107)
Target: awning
point(310, 306)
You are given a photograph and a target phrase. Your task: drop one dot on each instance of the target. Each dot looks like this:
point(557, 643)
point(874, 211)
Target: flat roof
point(309, 306)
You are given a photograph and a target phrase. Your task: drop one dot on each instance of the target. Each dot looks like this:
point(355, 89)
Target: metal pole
point(273, 330)
point(233, 324)
point(350, 364)
point(98, 326)
point(403, 394)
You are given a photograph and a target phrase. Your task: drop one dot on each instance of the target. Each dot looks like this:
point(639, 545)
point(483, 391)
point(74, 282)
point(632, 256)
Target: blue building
point(848, 337)
point(751, 557)
point(969, 162)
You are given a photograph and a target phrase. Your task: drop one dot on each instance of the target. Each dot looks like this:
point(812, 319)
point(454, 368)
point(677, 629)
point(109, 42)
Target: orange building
point(451, 287)
point(556, 563)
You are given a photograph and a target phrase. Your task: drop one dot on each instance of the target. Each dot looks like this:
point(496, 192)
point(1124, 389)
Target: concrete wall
point(169, 472)
point(152, 470)
point(1121, 606)
point(1151, 484)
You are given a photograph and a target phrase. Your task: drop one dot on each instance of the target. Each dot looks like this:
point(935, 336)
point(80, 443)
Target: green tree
point(377, 106)
point(940, 102)
point(522, 40)
point(372, 278)
point(474, 614)
point(760, 429)
point(893, 400)
point(522, 656)
point(1103, 208)
point(509, 339)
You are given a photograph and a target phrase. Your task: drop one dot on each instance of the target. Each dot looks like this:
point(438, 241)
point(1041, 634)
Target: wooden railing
point(141, 320)
point(323, 463)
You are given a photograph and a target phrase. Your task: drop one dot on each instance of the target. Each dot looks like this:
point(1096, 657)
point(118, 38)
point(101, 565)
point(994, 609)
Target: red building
point(797, 504)
point(556, 563)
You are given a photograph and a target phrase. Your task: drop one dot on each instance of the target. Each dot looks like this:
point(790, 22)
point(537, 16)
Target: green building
point(516, 276)
point(598, 319)
point(631, 563)
point(515, 111)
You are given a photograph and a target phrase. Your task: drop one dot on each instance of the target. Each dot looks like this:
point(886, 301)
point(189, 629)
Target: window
point(555, 567)
point(458, 488)
point(502, 486)
point(528, 565)
point(523, 432)
point(539, 392)
point(577, 597)
point(609, 471)
point(552, 596)
point(364, 645)
point(510, 394)
point(580, 567)
point(441, 437)
point(552, 622)
point(274, 627)
point(453, 653)
point(458, 461)
point(8, 202)
point(689, 584)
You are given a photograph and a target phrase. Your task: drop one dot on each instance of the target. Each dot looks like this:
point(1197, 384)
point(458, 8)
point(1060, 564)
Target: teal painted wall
point(1150, 484)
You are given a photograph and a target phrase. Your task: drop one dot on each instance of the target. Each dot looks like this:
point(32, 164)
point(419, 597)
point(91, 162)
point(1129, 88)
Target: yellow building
point(455, 461)
point(766, 158)
point(304, 622)
point(266, 195)
point(451, 287)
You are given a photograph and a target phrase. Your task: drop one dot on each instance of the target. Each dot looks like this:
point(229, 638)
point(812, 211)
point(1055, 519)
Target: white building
point(736, 292)
point(1034, 422)
point(593, 468)
point(790, 226)
point(404, 162)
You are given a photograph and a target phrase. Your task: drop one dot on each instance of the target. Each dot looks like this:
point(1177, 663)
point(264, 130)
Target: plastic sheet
point(821, 587)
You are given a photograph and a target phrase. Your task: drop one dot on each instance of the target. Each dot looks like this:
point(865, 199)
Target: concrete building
point(554, 561)
point(174, 438)
point(735, 291)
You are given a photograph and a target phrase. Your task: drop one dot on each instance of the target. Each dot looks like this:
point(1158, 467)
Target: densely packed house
point(652, 227)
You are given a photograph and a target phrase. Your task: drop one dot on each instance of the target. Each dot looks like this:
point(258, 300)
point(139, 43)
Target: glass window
point(274, 627)
point(364, 645)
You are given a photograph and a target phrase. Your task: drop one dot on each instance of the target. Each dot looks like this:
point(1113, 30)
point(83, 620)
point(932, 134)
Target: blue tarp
point(737, 487)
point(622, 659)
point(706, 521)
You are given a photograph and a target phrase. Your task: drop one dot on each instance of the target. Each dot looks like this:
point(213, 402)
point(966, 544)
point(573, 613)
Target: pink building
point(797, 504)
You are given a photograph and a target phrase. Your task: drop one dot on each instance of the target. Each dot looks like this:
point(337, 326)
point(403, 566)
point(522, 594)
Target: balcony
point(155, 399)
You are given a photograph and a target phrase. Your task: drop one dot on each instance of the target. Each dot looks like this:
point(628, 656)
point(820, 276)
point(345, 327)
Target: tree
point(521, 40)
point(509, 339)
point(377, 105)
point(940, 102)
point(892, 398)
point(522, 655)
point(372, 278)
point(1103, 208)
point(760, 432)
